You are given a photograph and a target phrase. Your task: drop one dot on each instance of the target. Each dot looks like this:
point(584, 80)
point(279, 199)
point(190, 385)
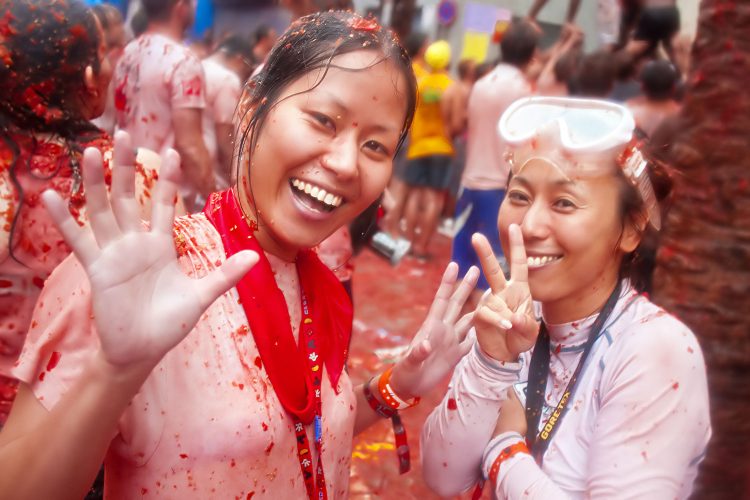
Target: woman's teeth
point(541, 261)
point(317, 192)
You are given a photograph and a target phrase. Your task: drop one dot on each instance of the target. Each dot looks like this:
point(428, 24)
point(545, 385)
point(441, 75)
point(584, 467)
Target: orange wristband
point(390, 397)
point(504, 455)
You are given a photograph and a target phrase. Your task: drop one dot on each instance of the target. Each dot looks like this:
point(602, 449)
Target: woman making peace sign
point(189, 375)
point(615, 388)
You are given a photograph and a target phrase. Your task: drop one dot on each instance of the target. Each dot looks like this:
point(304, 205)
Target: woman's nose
point(536, 222)
point(341, 157)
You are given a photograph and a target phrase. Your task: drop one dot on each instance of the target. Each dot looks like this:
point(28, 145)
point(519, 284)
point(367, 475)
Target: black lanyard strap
point(538, 441)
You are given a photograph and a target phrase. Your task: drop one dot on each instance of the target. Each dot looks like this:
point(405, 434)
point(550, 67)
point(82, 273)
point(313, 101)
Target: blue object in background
point(122, 5)
point(204, 18)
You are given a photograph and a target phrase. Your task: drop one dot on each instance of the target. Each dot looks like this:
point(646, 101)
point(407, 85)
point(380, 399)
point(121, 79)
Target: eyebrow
point(566, 183)
point(338, 103)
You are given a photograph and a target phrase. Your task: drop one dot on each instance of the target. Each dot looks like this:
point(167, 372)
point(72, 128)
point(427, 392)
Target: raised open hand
point(143, 303)
point(504, 319)
point(441, 341)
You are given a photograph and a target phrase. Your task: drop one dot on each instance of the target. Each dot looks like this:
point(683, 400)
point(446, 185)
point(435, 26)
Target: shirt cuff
point(491, 366)
point(495, 447)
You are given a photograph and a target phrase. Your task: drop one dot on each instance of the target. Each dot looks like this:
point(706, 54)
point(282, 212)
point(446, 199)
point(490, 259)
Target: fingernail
point(506, 324)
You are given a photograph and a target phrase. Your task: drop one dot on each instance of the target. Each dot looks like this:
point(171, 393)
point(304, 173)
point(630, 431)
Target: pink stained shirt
point(206, 423)
point(154, 76)
point(637, 425)
point(486, 168)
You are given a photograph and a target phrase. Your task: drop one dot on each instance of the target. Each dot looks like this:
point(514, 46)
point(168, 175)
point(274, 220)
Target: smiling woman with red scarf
point(204, 357)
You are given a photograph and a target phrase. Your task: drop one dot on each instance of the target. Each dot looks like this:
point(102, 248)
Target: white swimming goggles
point(581, 137)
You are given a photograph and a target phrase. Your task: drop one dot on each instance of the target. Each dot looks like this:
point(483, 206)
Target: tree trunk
point(703, 265)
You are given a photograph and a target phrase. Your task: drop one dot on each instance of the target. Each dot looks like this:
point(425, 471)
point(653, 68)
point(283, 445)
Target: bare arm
point(57, 454)
point(572, 11)
point(535, 8)
point(188, 141)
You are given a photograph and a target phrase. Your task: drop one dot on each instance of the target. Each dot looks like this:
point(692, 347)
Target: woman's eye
point(377, 147)
point(324, 120)
point(565, 204)
point(518, 197)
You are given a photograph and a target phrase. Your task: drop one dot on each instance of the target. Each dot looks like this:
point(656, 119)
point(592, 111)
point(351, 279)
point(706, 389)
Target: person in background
point(416, 45)
point(596, 75)
point(430, 151)
point(160, 94)
point(562, 64)
point(46, 110)
point(263, 40)
point(653, 24)
point(659, 80)
point(626, 84)
point(113, 25)
point(226, 70)
point(486, 173)
point(139, 23)
point(456, 102)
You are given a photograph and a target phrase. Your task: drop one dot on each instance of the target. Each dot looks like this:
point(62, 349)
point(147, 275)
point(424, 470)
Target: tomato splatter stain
point(258, 362)
point(269, 447)
point(264, 425)
point(452, 404)
point(183, 455)
point(54, 359)
point(675, 386)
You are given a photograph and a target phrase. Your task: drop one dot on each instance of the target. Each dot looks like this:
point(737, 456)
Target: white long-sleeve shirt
point(637, 425)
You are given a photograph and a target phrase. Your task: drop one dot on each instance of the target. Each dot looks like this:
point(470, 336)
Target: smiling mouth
point(536, 262)
point(315, 197)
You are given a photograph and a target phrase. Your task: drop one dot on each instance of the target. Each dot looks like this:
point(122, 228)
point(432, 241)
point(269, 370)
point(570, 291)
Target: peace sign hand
point(504, 319)
point(441, 342)
point(142, 301)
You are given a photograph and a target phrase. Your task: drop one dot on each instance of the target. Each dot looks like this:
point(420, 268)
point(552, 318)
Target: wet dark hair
point(638, 265)
point(48, 44)
point(311, 43)
point(519, 43)
point(659, 80)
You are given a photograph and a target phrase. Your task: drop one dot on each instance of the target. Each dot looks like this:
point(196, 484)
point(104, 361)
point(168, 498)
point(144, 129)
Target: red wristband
point(390, 397)
point(504, 455)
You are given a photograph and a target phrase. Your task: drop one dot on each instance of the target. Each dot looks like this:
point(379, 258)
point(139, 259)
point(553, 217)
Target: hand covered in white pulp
point(504, 319)
point(441, 341)
point(143, 303)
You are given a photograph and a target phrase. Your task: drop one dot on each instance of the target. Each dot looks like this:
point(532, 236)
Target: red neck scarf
point(267, 313)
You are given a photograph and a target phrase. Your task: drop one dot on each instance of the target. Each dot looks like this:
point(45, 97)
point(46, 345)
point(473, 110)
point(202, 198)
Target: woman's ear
point(632, 233)
point(89, 80)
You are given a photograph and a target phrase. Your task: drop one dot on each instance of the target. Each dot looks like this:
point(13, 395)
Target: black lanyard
point(538, 441)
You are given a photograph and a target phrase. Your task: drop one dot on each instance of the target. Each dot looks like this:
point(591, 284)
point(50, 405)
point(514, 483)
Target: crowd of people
point(175, 257)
